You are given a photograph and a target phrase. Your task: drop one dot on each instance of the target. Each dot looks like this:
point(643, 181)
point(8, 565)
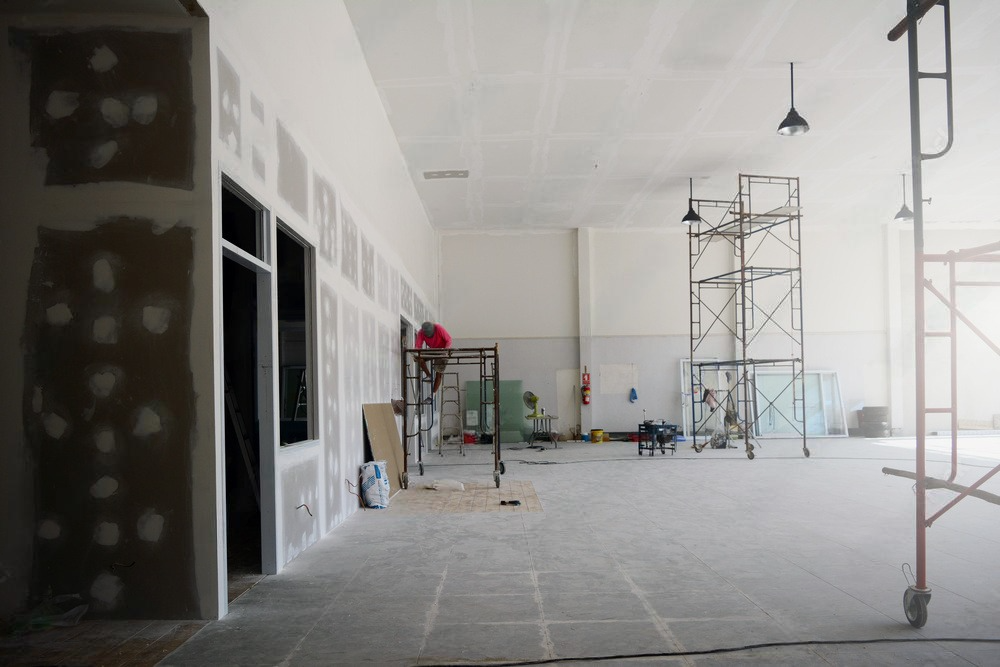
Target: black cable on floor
point(732, 649)
point(741, 458)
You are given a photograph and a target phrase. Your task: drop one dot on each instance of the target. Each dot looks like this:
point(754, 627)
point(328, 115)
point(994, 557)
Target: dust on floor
point(475, 497)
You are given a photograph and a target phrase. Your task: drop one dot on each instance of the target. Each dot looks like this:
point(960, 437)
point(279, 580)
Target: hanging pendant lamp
point(905, 214)
point(691, 218)
point(794, 124)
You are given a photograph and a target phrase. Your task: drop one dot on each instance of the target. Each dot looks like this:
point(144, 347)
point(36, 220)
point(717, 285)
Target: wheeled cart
point(419, 415)
point(657, 435)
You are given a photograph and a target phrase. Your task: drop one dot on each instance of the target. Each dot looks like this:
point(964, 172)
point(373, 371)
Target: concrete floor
point(683, 559)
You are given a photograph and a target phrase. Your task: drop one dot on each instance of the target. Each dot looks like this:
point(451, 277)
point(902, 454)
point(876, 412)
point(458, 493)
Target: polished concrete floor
point(698, 559)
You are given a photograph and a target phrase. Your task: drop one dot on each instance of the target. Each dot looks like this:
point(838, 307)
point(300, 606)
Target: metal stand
point(751, 302)
point(917, 596)
point(418, 417)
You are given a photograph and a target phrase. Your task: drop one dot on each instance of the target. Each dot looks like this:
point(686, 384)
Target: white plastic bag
point(374, 485)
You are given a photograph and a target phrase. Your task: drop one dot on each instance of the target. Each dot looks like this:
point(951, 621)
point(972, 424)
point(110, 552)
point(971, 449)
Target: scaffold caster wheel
point(421, 465)
point(915, 607)
point(750, 455)
point(496, 478)
point(503, 468)
point(640, 450)
point(406, 480)
point(805, 450)
point(698, 448)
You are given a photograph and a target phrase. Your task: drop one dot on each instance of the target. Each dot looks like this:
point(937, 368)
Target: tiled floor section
point(684, 559)
point(474, 497)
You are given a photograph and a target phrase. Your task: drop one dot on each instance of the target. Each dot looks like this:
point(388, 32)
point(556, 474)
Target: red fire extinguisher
point(585, 386)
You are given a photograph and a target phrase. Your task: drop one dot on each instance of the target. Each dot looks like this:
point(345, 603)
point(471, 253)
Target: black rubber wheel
point(750, 455)
point(805, 450)
point(406, 480)
point(421, 469)
point(503, 468)
point(698, 448)
point(915, 608)
point(496, 478)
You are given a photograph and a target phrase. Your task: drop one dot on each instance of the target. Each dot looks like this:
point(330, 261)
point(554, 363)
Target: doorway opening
point(242, 225)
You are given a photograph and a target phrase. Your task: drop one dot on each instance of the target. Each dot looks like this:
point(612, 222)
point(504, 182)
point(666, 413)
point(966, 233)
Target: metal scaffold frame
point(917, 595)
point(752, 230)
point(418, 416)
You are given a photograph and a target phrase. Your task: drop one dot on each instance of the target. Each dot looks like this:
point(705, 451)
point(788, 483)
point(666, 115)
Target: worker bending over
point(435, 337)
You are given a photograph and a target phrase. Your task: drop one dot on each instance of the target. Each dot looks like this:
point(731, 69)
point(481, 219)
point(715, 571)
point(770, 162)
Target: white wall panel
point(509, 285)
point(639, 283)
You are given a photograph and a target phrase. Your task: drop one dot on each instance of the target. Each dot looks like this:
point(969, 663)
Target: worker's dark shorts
point(439, 365)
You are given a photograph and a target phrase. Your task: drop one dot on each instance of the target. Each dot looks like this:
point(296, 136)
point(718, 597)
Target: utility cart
point(655, 435)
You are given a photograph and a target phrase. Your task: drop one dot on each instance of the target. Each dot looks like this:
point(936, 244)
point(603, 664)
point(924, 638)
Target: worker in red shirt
point(436, 337)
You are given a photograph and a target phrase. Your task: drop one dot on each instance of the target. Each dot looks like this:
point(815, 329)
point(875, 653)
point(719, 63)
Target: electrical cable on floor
point(733, 649)
point(695, 458)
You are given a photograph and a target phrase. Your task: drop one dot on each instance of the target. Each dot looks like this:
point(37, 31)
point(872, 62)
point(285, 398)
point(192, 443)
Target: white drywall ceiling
point(573, 113)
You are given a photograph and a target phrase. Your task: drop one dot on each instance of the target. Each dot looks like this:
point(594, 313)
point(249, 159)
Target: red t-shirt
point(440, 339)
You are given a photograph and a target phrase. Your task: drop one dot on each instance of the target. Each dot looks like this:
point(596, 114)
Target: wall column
point(584, 239)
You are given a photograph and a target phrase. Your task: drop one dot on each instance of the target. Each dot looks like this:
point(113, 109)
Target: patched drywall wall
point(367, 267)
point(362, 237)
point(300, 506)
point(228, 102)
point(101, 113)
point(109, 411)
point(325, 217)
point(107, 244)
point(293, 172)
point(349, 248)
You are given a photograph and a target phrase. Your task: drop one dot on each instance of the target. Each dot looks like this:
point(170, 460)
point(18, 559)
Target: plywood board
point(383, 437)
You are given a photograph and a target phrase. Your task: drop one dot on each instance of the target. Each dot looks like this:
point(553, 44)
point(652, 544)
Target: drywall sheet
point(112, 105)
point(619, 378)
point(385, 442)
point(109, 416)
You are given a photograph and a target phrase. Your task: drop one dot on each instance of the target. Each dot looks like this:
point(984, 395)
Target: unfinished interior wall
point(978, 365)
point(637, 315)
point(107, 425)
point(301, 130)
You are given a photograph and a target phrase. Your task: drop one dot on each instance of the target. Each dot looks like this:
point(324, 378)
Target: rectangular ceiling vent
point(446, 173)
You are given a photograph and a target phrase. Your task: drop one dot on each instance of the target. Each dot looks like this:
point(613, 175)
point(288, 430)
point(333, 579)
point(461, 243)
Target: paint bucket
point(596, 435)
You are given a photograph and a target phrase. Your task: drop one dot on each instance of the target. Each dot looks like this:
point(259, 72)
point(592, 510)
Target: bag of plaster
point(374, 485)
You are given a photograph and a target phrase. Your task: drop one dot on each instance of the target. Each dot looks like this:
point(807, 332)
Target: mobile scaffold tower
point(917, 595)
point(746, 309)
point(418, 417)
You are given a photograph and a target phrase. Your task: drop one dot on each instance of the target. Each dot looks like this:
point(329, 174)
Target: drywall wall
point(109, 252)
point(302, 132)
point(638, 312)
point(978, 364)
point(639, 282)
point(310, 63)
point(510, 285)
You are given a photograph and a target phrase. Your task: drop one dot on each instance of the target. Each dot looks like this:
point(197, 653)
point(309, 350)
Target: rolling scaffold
point(917, 595)
point(418, 418)
point(746, 283)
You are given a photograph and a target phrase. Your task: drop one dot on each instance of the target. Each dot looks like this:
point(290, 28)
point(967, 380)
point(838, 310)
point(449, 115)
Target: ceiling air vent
point(446, 173)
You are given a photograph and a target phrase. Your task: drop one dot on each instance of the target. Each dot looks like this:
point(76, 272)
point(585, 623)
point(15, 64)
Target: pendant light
point(905, 214)
point(794, 124)
point(691, 218)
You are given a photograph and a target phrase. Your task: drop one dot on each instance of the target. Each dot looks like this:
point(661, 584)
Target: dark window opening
point(242, 224)
point(293, 268)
